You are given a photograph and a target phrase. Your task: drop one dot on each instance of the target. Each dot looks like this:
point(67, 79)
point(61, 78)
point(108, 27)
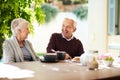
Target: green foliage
point(68, 2)
point(75, 1)
point(109, 58)
point(81, 12)
point(39, 15)
point(10, 9)
point(40, 53)
point(50, 11)
point(79, 1)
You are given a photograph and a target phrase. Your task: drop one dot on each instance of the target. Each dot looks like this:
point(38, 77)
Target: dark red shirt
point(73, 47)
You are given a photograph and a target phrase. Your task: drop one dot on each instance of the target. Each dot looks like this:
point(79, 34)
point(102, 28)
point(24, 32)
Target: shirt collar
point(69, 38)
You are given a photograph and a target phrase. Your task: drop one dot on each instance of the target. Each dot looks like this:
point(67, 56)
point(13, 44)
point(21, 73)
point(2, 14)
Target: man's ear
point(74, 29)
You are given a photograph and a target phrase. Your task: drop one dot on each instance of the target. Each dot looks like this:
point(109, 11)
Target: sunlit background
point(43, 32)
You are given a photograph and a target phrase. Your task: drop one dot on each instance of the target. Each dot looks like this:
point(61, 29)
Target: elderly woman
point(17, 49)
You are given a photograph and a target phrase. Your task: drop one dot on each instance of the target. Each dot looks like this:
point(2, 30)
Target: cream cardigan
point(13, 53)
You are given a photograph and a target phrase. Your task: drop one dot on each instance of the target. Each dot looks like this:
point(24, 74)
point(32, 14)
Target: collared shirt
point(69, 38)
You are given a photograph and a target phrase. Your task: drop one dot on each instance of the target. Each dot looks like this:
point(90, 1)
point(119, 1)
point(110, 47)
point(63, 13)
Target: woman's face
point(68, 28)
point(24, 32)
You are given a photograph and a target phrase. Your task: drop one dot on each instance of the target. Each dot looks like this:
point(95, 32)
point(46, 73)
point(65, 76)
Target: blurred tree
point(10, 9)
point(50, 11)
point(81, 12)
point(69, 2)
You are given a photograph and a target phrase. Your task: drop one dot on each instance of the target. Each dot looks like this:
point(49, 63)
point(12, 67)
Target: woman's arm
point(8, 52)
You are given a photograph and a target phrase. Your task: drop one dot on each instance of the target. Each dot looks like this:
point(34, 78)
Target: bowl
point(50, 57)
point(108, 63)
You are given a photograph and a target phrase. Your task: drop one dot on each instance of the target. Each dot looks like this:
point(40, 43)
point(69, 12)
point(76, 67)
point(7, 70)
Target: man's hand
point(67, 56)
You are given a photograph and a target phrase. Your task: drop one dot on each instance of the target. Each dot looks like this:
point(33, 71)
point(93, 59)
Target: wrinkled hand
point(67, 56)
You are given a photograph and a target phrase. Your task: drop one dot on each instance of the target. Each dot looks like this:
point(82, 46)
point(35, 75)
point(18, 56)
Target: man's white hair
point(74, 21)
point(16, 24)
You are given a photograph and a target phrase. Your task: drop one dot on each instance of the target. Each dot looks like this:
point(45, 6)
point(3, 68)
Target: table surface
point(64, 70)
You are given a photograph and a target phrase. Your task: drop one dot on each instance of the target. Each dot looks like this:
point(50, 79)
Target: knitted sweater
point(73, 47)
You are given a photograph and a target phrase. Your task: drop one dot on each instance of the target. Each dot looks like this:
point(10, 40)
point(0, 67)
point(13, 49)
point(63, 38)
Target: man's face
point(68, 28)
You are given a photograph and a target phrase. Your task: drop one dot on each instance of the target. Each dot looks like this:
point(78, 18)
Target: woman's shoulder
point(11, 39)
point(7, 40)
point(27, 41)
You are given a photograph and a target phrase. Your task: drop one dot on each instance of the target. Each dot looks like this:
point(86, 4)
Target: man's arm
point(51, 44)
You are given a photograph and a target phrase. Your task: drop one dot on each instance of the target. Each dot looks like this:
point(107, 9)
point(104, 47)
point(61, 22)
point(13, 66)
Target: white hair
point(16, 24)
point(74, 22)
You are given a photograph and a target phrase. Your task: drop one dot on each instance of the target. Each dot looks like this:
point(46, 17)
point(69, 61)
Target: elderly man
point(17, 48)
point(65, 41)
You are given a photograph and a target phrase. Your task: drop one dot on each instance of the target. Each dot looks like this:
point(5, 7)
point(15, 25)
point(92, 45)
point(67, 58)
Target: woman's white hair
point(16, 24)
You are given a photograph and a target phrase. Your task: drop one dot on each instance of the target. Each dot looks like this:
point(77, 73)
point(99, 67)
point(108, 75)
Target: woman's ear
point(19, 30)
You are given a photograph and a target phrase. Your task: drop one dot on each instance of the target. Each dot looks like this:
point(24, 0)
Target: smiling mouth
point(65, 32)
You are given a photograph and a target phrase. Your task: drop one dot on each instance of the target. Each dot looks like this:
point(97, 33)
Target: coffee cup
point(61, 55)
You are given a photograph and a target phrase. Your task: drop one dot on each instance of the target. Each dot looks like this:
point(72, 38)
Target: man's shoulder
point(76, 39)
point(56, 34)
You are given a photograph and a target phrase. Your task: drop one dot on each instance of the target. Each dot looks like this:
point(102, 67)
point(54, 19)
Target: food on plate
point(76, 59)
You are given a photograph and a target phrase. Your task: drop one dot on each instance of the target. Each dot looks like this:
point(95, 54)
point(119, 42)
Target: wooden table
point(65, 70)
